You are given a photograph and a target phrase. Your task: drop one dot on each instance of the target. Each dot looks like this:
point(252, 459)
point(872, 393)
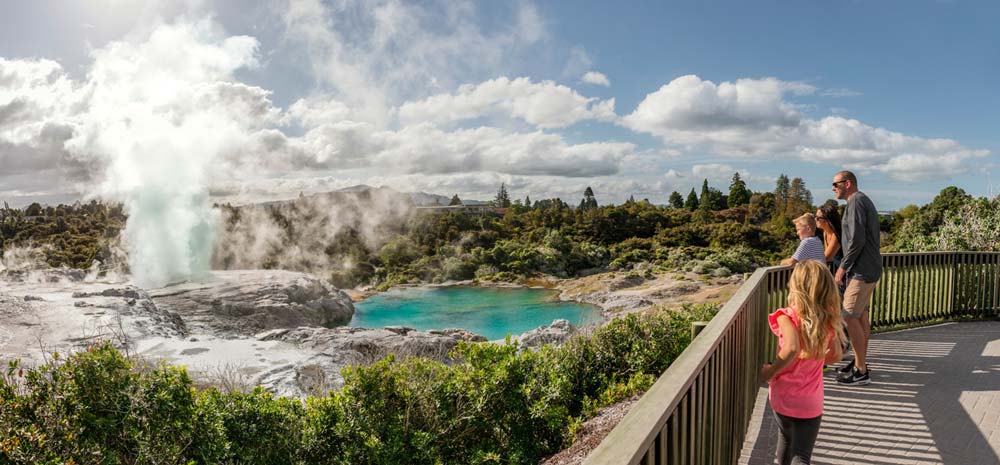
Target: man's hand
point(839, 278)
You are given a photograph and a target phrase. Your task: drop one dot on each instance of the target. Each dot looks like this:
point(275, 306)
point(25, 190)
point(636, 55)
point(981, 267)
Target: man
point(861, 268)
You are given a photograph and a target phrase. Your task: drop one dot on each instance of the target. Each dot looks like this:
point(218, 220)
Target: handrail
point(644, 417)
point(698, 411)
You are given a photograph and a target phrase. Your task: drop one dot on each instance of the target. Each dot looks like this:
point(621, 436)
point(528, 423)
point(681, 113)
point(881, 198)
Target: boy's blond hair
point(807, 219)
point(814, 297)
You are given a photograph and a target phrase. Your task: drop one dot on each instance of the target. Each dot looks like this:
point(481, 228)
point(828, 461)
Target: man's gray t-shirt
point(860, 240)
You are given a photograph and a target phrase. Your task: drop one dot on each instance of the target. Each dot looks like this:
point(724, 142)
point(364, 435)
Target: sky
point(232, 100)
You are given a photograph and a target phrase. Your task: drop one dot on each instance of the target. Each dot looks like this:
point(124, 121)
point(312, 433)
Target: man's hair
point(849, 176)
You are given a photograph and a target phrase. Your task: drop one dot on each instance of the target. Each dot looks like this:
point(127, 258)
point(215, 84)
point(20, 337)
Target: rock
point(556, 333)
point(230, 303)
point(464, 335)
point(127, 293)
point(29, 298)
point(351, 346)
point(401, 330)
point(10, 306)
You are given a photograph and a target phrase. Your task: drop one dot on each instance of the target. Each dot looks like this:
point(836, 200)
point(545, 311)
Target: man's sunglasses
point(835, 183)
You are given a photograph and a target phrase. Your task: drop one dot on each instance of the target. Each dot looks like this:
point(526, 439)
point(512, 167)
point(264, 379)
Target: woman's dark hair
point(829, 213)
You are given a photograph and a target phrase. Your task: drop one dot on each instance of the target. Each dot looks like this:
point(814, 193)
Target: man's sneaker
point(846, 368)
point(855, 378)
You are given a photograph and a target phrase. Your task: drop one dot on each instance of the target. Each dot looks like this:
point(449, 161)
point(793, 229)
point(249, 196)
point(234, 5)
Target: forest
point(713, 232)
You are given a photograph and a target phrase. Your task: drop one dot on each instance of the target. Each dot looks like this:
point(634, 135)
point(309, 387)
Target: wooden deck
point(934, 399)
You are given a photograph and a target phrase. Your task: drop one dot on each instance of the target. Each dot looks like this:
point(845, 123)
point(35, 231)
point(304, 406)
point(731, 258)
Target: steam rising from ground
point(316, 234)
point(158, 115)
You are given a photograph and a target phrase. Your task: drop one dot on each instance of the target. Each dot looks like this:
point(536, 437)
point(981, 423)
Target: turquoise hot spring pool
point(491, 312)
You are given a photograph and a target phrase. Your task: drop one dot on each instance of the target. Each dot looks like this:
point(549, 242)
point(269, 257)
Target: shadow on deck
point(934, 398)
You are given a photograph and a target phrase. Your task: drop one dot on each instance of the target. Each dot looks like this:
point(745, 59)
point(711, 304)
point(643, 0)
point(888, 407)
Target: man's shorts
point(857, 296)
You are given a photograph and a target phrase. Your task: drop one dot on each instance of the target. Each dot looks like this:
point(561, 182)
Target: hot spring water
point(491, 312)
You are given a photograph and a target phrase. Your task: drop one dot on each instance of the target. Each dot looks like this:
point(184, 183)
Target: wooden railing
point(698, 411)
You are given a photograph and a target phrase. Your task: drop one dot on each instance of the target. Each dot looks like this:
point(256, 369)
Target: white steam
point(158, 114)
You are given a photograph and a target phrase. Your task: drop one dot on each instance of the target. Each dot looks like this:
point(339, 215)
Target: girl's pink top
point(797, 391)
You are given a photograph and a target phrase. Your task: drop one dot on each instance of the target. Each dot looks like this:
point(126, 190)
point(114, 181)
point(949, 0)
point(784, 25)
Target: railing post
point(954, 283)
point(697, 327)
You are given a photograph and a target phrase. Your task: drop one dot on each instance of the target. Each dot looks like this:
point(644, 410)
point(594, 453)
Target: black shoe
point(846, 368)
point(855, 378)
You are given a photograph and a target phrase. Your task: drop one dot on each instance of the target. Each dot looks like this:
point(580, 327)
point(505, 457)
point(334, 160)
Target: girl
point(809, 332)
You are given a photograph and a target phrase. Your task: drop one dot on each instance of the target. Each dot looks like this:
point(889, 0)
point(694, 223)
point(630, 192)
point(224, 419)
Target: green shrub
point(494, 404)
point(259, 428)
point(99, 407)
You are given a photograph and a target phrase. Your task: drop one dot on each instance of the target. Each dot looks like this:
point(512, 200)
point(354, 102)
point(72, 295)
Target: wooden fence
point(698, 411)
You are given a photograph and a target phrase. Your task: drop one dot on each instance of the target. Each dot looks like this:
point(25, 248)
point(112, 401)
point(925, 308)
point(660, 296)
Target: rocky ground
point(618, 292)
point(280, 329)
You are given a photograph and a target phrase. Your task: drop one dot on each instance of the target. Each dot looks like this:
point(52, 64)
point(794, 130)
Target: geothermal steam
point(159, 112)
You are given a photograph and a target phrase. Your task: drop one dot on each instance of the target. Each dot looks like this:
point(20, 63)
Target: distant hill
point(420, 199)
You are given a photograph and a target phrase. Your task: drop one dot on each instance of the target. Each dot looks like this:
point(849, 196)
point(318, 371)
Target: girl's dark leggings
point(796, 439)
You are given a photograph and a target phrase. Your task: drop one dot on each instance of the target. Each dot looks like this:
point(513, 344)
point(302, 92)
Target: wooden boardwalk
point(934, 399)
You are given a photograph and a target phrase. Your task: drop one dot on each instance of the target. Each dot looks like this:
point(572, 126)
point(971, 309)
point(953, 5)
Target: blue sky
point(264, 100)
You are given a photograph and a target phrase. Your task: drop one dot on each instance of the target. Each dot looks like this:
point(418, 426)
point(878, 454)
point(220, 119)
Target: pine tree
point(676, 200)
point(455, 201)
point(692, 201)
point(781, 193)
point(704, 193)
point(799, 198)
point(502, 200)
point(527, 201)
point(589, 202)
point(738, 192)
point(631, 200)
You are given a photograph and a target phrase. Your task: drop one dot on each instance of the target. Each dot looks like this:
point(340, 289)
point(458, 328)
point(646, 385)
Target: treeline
point(377, 238)
point(714, 233)
point(71, 235)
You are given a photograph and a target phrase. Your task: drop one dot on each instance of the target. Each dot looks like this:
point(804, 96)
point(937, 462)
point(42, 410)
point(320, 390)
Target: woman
point(809, 333)
point(828, 222)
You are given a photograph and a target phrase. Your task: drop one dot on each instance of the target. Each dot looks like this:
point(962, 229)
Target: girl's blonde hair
point(813, 295)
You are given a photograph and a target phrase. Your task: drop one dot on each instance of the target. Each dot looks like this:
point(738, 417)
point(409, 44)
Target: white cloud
point(424, 148)
point(545, 104)
point(372, 54)
point(752, 117)
point(595, 78)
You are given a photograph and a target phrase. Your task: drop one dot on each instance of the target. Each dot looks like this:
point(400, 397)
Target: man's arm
point(856, 240)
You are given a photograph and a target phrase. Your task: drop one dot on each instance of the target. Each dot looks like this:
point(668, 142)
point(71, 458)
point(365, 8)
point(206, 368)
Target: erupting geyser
point(159, 115)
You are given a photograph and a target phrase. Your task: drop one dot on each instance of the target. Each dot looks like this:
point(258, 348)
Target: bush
point(495, 404)
point(260, 428)
point(99, 407)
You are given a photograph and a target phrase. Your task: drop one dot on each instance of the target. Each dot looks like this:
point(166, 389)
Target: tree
point(781, 193)
point(692, 201)
point(527, 201)
point(589, 202)
point(631, 200)
point(676, 200)
point(455, 201)
point(705, 193)
point(33, 210)
point(738, 192)
point(502, 200)
point(799, 198)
